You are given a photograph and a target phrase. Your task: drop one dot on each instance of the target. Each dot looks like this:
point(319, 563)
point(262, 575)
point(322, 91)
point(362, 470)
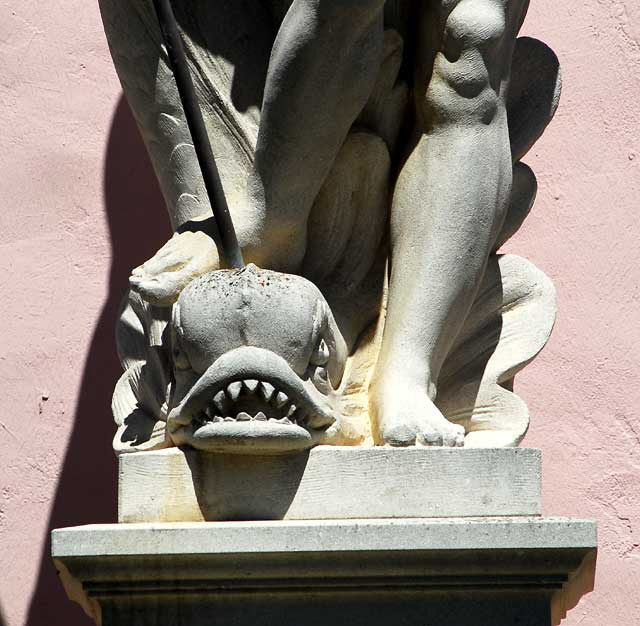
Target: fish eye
point(321, 353)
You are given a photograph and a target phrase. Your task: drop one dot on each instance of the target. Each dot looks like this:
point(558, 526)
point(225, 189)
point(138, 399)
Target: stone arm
point(321, 71)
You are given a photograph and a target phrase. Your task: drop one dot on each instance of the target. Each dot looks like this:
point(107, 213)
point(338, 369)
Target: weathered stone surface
point(470, 572)
point(352, 139)
point(329, 483)
point(324, 536)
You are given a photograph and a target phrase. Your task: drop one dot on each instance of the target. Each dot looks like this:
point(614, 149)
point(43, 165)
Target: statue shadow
point(87, 487)
point(462, 374)
point(237, 488)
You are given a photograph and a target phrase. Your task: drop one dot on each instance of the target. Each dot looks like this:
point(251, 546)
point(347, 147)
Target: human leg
point(449, 203)
point(322, 69)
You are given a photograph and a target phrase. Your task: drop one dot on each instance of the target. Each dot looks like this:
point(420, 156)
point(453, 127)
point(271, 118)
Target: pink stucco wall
point(75, 188)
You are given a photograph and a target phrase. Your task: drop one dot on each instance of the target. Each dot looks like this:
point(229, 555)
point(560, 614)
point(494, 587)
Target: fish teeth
point(233, 391)
point(291, 411)
point(260, 417)
point(281, 399)
point(284, 420)
point(266, 390)
point(243, 417)
point(251, 384)
point(216, 419)
point(220, 401)
point(228, 419)
point(318, 421)
point(300, 416)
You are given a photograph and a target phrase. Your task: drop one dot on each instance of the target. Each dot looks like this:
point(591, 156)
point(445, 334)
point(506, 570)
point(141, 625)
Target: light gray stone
point(500, 571)
point(373, 149)
point(324, 536)
point(329, 483)
point(369, 153)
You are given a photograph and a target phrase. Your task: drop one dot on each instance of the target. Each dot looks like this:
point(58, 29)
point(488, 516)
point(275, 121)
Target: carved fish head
point(257, 357)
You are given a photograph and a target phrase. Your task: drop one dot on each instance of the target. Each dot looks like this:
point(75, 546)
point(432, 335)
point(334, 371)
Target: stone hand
point(184, 257)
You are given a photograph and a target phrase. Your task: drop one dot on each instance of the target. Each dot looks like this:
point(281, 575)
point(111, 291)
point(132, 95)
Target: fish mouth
point(250, 401)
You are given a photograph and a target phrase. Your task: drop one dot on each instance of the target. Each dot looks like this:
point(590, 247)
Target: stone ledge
point(329, 483)
point(167, 573)
point(322, 536)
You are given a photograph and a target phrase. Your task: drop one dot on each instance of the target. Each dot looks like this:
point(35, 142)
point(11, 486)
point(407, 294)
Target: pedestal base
point(428, 572)
point(329, 483)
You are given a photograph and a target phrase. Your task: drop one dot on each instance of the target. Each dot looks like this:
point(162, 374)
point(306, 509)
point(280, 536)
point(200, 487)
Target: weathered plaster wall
point(584, 390)
point(75, 185)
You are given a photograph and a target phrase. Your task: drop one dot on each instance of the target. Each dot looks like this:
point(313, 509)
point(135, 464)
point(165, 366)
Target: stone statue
point(370, 153)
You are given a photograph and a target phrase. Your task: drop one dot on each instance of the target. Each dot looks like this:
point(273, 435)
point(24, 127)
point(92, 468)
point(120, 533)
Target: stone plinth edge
point(329, 483)
point(133, 568)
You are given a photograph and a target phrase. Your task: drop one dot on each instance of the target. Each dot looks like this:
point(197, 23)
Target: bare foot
point(184, 257)
point(408, 417)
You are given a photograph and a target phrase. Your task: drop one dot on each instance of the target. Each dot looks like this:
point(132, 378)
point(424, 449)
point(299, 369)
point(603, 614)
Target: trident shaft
point(178, 64)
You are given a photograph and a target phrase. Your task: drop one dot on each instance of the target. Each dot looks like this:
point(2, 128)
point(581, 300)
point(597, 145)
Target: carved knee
point(475, 24)
point(463, 87)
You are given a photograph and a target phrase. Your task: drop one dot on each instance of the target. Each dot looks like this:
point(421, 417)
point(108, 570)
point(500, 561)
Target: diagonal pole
point(178, 64)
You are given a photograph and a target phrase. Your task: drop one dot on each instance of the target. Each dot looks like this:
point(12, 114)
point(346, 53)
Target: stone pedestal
point(421, 558)
point(329, 483)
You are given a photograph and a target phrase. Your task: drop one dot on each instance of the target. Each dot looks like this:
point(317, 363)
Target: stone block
point(329, 483)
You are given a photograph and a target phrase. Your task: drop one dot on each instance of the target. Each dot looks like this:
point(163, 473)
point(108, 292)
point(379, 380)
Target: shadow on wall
point(87, 490)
